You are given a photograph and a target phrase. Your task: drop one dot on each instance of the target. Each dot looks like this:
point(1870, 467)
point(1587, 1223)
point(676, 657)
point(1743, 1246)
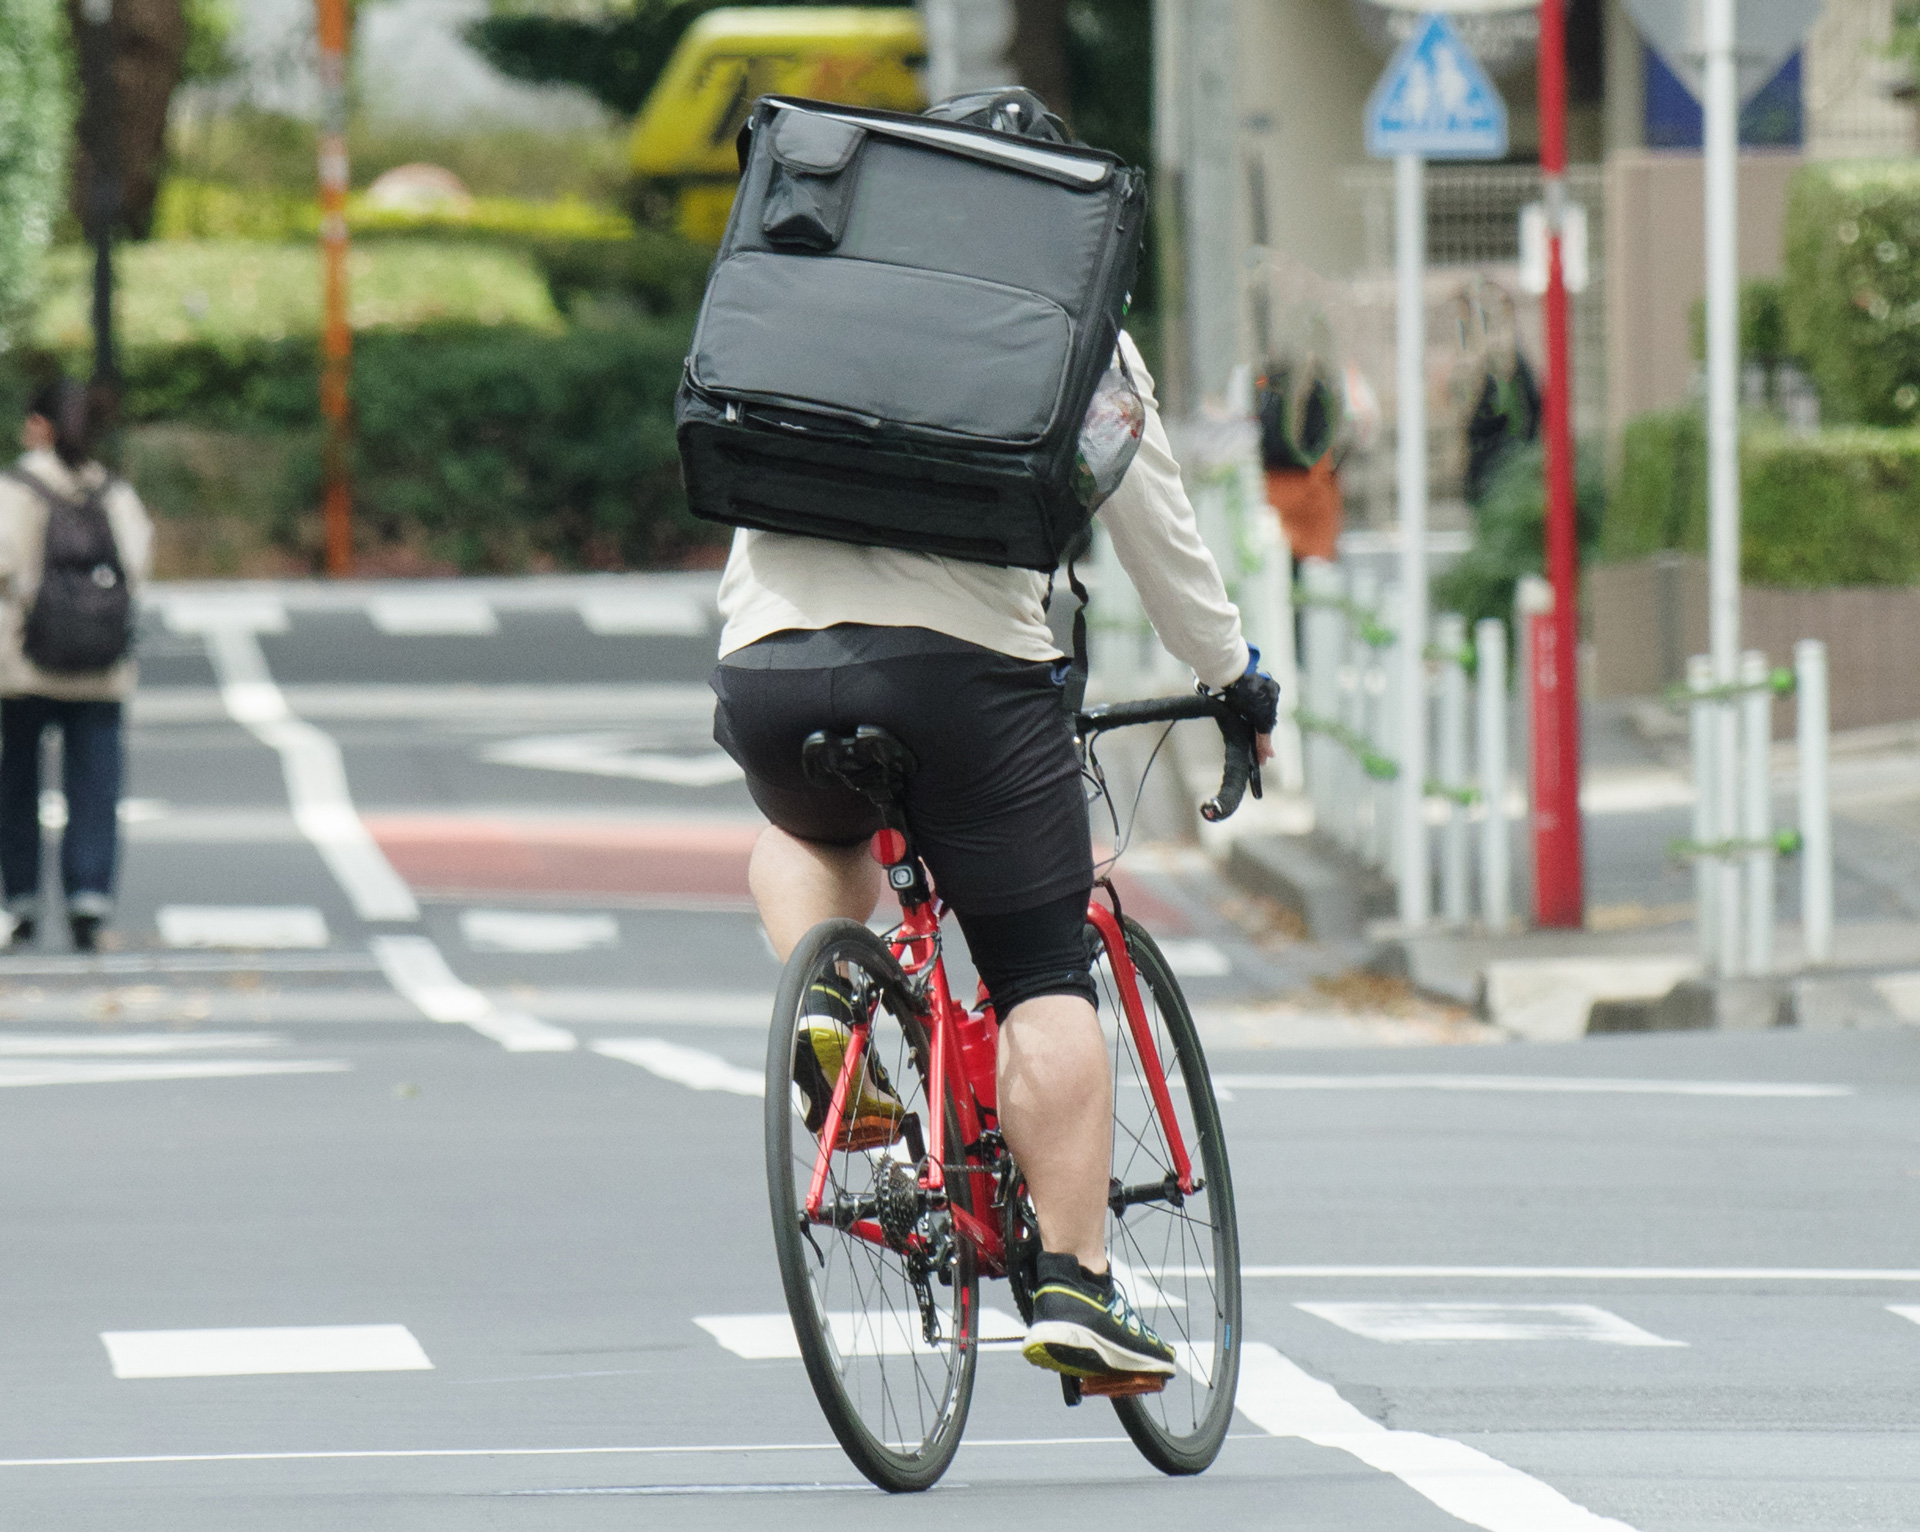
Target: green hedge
point(1852, 295)
point(1509, 532)
point(1840, 507)
point(485, 448)
point(35, 115)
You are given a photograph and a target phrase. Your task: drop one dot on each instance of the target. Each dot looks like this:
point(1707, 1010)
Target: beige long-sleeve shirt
point(23, 532)
point(775, 581)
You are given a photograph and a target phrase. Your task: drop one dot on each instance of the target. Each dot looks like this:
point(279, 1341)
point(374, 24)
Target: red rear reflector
point(888, 847)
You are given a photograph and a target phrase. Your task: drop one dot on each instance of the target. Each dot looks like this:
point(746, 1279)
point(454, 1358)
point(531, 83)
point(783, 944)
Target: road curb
point(1333, 896)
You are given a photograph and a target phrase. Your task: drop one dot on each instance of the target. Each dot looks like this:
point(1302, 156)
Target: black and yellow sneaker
point(874, 1117)
point(1084, 1327)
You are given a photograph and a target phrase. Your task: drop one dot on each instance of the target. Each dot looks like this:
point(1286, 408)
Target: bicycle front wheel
point(1177, 1254)
point(883, 1292)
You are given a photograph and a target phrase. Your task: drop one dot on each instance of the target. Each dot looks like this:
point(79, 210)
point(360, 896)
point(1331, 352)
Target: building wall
point(1656, 264)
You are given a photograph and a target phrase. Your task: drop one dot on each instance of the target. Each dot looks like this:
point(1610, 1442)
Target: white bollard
point(1816, 807)
point(1490, 763)
point(1705, 873)
point(1390, 730)
point(1356, 784)
point(1756, 808)
point(1730, 938)
point(1450, 637)
point(1325, 586)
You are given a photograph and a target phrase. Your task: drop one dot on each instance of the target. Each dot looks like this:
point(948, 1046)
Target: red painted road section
point(702, 862)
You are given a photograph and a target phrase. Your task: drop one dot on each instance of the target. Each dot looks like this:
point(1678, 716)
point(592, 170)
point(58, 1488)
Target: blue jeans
point(90, 770)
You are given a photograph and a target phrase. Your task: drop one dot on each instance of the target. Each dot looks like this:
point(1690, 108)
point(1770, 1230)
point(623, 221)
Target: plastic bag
point(1109, 436)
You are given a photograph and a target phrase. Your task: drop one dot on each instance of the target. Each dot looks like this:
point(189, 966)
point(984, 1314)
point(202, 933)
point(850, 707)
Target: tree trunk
point(149, 44)
point(1038, 52)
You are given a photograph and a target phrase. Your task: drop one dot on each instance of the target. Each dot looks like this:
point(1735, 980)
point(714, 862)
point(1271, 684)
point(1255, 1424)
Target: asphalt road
point(402, 907)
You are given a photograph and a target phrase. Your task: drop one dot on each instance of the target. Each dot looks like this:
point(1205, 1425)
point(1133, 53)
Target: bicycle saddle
point(870, 761)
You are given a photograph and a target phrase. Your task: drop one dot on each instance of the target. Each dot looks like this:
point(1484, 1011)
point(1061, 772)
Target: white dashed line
point(1404, 1323)
point(255, 927)
point(1281, 1399)
point(1573, 1085)
point(1905, 1311)
point(316, 778)
point(659, 612)
point(415, 967)
point(427, 613)
point(258, 1352)
point(49, 1044)
point(770, 1337)
point(690, 1067)
point(548, 931)
point(93, 1072)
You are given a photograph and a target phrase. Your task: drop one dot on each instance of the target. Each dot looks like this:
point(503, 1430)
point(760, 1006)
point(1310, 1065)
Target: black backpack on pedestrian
point(81, 621)
point(903, 330)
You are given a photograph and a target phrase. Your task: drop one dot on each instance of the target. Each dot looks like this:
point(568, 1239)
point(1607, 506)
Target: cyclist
point(956, 660)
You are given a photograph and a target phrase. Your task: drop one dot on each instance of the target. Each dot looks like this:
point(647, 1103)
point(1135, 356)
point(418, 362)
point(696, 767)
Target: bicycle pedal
point(1123, 1385)
point(1069, 1390)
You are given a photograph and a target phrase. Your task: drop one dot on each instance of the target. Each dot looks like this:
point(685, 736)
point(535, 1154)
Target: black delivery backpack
point(902, 332)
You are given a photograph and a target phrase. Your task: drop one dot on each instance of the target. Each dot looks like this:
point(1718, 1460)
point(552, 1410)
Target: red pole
point(336, 348)
point(1559, 879)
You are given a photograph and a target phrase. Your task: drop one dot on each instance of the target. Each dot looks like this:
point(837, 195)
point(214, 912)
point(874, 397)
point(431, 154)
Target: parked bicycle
point(890, 1204)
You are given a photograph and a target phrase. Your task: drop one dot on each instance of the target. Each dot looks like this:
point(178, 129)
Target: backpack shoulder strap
point(53, 498)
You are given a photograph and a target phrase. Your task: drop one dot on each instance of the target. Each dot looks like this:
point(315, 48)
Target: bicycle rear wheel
point(1178, 1256)
point(883, 1294)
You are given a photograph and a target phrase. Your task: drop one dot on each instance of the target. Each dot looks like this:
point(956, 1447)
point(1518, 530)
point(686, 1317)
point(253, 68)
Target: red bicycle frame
point(964, 1047)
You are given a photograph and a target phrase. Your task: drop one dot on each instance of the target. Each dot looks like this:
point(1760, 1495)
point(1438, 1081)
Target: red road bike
point(883, 1236)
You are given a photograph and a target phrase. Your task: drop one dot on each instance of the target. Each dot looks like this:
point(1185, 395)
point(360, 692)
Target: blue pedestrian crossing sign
point(1436, 101)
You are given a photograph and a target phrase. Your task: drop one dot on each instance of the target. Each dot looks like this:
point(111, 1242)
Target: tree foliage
point(35, 116)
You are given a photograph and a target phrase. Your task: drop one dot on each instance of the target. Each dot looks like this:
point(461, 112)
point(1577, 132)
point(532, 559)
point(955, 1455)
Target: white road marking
point(1194, 958)
point(1283, 1400)
point(89, 1072)
point(693, 1489)
point(1594, 1273)
point(684, 1066)
point(616, 755)
point(1141, 1288)
point(1399, 1323)
point(63, 1045)
point(131, 811)
point(415, 967)
point(1905, 1311)
point(316, 778)
point(244, 611)
point(537, 931)
point(425, 612)
point(770, 1337)
point(661, 612)
point(1576, 1085)
point(701, 1449)
point(247, 1353)
point(252, 926)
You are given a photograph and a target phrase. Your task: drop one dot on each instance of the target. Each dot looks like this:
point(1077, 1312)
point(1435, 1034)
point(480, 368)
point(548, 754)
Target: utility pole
point(336, 346)
point(1721, 103)
point(103, 185)
point(1559, 876)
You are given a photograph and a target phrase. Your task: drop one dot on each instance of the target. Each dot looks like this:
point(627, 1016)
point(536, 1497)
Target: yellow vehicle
point(683, 140)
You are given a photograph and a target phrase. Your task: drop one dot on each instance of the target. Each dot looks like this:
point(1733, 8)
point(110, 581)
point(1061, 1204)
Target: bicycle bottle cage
point(870, 761)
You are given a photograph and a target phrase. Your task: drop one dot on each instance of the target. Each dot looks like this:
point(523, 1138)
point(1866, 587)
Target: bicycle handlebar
point(1242, 768)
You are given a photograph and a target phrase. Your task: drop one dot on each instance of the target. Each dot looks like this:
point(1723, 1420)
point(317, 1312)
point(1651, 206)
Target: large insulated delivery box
point(902, 332)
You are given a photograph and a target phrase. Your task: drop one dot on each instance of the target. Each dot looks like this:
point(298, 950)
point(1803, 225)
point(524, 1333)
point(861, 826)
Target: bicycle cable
point(1133, 812)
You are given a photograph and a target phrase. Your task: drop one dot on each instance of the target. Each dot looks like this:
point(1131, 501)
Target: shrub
point(1852, 293)
point(479, 448)
point(1509, 533)
point(1659, 498)
point(35, 114)
point(190, 209)
point(1839, 507)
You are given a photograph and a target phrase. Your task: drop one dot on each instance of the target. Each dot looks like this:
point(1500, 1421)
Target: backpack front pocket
point(810, 192)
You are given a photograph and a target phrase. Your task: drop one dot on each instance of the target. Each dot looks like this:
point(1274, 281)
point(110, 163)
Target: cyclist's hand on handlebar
point(1256, 698)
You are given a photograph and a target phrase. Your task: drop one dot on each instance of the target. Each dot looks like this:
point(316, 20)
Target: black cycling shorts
point(996, 807)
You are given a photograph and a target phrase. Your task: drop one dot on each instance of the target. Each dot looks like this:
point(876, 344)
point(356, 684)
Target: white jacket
point(775, 581)
point(23, 531)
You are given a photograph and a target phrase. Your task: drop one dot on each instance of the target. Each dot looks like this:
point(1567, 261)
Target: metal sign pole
point(1559, 876)
point(1410, 406)
point(337, 334)
point(1722, 122)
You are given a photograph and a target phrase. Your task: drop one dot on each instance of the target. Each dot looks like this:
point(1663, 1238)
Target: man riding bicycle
point(956, 661)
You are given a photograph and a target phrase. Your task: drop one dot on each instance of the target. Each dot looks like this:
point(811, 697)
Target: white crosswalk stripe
point(1401, 1323)
point(255, 1352)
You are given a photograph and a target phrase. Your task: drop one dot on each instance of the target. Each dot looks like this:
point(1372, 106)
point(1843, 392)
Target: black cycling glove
point(1255, 696)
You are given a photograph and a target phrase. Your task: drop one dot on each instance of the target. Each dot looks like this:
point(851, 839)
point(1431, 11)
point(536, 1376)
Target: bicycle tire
point(862, 1360)
point(1181, 1270)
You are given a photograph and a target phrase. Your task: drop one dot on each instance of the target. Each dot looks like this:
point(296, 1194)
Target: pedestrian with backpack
point(74, 543)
